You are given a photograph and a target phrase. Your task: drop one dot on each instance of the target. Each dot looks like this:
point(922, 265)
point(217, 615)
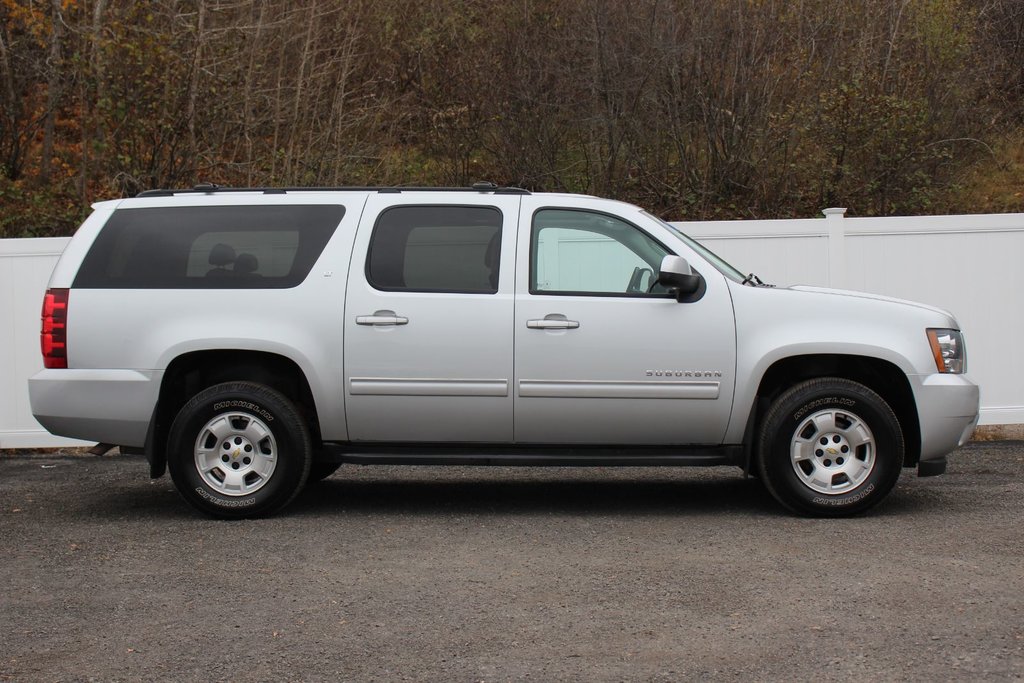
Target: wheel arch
point(881, 376)
point(191, 372)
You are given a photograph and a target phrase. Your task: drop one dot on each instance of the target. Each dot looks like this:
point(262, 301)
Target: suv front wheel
point(830, 447)
point(239, 449)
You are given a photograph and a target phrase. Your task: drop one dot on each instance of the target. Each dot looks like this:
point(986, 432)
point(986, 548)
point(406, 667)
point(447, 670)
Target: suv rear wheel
point(239, 449)
point(830, 447)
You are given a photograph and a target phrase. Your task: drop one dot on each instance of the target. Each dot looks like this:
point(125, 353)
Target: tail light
point(53, 339)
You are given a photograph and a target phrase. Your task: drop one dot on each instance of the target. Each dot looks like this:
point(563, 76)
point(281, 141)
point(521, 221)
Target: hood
point(873, 297)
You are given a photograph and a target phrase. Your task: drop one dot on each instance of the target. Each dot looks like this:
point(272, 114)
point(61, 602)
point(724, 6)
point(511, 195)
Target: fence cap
point(834, 212)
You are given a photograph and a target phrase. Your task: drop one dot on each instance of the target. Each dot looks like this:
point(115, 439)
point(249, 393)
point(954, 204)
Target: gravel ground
point(477, 574)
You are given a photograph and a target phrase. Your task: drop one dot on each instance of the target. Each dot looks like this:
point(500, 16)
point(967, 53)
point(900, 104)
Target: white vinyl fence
point(967, 264)
point(25, 266)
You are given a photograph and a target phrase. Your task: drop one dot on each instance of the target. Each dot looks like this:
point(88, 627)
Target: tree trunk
point(193, 92)
point(52, 91)
point(10, 111)
point(91, 126)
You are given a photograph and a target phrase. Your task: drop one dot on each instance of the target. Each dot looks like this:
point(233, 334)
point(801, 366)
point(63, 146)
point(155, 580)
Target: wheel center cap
point(832, 450)
point(238, 452)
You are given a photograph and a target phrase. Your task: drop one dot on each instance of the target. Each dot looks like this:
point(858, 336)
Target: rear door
point(428, 319)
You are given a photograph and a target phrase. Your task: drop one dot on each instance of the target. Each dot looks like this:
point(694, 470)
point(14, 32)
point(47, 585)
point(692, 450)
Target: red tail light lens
point(53, 339)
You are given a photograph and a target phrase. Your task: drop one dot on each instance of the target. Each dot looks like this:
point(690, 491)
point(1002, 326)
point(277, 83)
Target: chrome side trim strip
point(413, 386)
point(595, 389)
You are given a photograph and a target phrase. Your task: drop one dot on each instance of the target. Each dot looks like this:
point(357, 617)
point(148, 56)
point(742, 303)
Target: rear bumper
point(109, 406)
point(947, 409)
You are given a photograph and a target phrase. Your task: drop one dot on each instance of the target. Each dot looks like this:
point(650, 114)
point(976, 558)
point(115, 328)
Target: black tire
point(320, 470)
point(830, 447)
point(254, 456)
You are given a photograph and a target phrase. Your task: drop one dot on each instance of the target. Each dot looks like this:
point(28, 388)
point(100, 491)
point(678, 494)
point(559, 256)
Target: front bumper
point(109, 406)
point(947, 410)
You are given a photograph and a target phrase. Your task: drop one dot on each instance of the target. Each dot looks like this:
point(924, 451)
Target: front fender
point(777, 324)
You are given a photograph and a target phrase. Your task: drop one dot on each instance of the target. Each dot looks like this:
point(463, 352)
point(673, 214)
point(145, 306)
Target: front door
point(428, 319)
point(601, 355)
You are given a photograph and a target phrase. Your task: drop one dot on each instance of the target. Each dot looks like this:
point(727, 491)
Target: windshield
point(715, 260)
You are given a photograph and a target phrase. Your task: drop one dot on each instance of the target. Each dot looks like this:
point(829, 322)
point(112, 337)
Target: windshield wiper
point(754, 281)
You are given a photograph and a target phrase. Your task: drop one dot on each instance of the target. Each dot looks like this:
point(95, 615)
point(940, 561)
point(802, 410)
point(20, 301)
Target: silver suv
point(253, 340)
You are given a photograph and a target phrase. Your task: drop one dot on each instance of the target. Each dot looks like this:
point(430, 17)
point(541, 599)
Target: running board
point(533, 455)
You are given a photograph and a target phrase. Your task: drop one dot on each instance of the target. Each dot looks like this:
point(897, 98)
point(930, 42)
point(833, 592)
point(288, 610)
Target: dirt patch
point(998, 433)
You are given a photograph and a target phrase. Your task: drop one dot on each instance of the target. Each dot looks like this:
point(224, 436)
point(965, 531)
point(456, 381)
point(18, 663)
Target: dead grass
point(49, 452)
point(994, 184)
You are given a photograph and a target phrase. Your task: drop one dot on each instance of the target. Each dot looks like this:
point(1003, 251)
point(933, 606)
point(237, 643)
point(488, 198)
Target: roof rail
point(212, 188)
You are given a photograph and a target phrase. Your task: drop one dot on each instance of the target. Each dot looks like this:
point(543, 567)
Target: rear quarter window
point(218, 247)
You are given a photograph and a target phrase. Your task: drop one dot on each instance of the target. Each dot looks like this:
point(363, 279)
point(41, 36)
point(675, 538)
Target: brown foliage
point(694, 108)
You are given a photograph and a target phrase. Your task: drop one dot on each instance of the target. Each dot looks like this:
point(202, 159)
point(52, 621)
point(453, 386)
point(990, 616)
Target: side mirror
point(676, 274)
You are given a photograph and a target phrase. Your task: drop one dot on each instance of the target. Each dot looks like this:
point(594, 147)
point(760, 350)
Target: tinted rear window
point(217, 247)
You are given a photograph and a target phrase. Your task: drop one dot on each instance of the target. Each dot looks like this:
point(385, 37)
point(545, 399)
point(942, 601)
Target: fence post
point(836, 247)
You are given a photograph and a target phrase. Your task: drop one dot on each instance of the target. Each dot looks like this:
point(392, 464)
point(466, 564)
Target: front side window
point(582, 252)
point(436, 249)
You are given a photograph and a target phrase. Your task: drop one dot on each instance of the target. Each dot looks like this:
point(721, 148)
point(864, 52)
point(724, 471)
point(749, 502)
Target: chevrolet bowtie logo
point(831, 451)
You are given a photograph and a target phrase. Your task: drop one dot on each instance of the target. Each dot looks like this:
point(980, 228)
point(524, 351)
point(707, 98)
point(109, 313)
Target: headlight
point(948, 350)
